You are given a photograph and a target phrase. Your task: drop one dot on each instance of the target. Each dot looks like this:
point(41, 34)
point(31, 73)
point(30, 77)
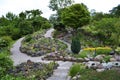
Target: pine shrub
point(75, 45)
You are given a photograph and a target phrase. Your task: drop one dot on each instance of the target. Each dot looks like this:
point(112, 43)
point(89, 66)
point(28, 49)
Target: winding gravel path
point(61, 73)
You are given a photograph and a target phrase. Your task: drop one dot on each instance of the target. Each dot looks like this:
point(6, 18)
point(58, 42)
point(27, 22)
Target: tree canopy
point(58, 4)
point(116, 11)
point(75, 16)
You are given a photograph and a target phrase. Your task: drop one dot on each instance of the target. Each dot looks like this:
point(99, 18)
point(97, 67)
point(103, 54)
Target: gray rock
point(86, 59)
point(36, 46)
point(40, 53)
point(92, 64)
point(99, 57)
point(74, 78)
point(112, 59)
point(100, 70)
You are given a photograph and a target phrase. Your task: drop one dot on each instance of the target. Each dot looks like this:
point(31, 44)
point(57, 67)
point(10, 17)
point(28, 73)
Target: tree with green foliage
point(25, 28)
point(58, 6)
point(4, 21)
point(116, 11)
point(55, 5)
point(104, 29)
point(76, 16)
point(10, 16)
point(22, 15)
point(115, 36)
point(33, 13)
point(53, 18)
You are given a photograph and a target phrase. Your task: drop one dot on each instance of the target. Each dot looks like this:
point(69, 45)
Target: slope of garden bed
point(37, 45)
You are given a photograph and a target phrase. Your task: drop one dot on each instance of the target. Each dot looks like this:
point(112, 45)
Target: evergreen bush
point(75, 45)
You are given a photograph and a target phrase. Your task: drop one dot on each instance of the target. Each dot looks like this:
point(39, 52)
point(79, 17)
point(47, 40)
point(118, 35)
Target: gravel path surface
point(61, 73)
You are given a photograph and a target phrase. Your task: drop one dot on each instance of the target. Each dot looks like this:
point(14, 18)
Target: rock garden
point(33, 71)
point(92, 58)
point(75, 42)
point(39, 45)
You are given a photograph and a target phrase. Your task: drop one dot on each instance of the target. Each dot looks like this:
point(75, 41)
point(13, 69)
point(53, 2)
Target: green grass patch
point(82, 54)
point(89, 74)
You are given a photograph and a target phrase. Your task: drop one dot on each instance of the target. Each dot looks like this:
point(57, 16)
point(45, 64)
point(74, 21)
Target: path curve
point(61, 73)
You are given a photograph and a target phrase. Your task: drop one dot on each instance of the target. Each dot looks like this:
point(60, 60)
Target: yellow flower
point(97, 48)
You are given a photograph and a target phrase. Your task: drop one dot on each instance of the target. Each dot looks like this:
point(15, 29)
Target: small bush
point(117, 50)
point(75, 45)
point(28, 38)
point(103, 51)
point(9, 77)
point(82, 54)
point(5, 41)
point(5, 63)
point(76, 68)
point(107, 58)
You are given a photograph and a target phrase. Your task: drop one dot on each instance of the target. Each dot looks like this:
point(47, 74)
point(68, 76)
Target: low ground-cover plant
point(5, 63)
point(91, 52)
point(105, 75)
point(117, 50)
point(100, 50)
point(82, 54)
point(89, 74)
point(10, 77)
point(77, 68)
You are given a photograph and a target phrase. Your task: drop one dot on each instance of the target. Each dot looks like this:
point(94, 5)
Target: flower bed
point(33, 71)
point(99, 50)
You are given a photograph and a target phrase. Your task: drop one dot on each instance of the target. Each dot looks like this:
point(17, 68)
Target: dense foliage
point(75, 16)
point(25, 23)
point(58, 4)
point(5, 63)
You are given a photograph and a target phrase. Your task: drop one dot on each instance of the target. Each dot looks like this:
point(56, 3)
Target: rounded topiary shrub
point(75, 45)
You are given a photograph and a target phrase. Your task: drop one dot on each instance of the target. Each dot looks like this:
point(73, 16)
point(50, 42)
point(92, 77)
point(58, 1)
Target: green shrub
point(28, 38)
point(84, 54)
point(9, 77)
point(5, 63)
point(117, 50)
point(103, 51)
point(75, 45)
point(107, 58)
point(5, 41)
point(105, 75)
point(76, 68)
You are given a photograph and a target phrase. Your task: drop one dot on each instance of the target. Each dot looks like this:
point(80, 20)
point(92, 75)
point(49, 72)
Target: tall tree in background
point(33, 13)
point(58, 6)
point(116, 11)
point(76, 16)
point(36, 13)
point(55, 5)
point(22, 15)
point(116, 34)
point(10, 16)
